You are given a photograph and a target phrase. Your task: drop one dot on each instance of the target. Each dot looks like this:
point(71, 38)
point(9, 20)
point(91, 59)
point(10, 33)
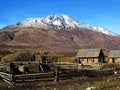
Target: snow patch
point(60, 21)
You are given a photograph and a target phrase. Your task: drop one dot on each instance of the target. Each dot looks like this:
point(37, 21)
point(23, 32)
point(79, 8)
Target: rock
point(91, 88)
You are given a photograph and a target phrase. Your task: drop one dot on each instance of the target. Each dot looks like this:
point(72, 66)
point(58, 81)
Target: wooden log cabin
point(114, 56)
point(90, 56)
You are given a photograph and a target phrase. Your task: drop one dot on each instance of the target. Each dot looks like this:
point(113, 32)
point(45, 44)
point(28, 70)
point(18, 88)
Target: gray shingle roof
point(83, 53)
point(114, 53)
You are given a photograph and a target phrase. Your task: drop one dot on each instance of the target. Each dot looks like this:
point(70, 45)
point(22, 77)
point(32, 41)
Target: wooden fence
point(34, 77)
point(60, 71)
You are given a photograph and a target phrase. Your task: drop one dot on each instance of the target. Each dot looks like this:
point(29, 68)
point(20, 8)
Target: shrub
point(7, 58)
point(24, 56)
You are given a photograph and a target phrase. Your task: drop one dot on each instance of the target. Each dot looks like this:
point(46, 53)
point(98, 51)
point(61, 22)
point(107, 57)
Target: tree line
point(25, 55)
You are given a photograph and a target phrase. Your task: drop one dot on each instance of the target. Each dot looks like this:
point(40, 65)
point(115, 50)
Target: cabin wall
point(89, 61)
point(110, 60)
point(114, 60)
point(118, 61)
point(96, 60)
point(84, 61)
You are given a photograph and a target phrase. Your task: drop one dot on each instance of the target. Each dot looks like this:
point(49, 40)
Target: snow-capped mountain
point(57, 21)
point(73, 35)
point(60, 21)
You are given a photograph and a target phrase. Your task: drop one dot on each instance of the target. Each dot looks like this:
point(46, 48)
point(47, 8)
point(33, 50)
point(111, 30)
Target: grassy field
point(81, 83)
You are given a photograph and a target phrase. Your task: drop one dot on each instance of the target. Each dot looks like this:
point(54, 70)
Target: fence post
point(56, 74)
point(12, 79)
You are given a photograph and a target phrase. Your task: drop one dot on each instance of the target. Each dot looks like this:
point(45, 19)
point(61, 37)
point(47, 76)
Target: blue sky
point(105, 13)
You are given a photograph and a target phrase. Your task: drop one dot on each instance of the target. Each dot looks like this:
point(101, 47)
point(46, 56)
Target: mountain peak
point(60, 21)
point(56, 21)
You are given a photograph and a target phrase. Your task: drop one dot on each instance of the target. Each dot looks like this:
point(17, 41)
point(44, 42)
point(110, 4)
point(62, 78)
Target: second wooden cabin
point(114, 56)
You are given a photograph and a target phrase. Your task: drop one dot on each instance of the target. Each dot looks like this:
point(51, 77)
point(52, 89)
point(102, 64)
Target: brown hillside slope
point(56, 40)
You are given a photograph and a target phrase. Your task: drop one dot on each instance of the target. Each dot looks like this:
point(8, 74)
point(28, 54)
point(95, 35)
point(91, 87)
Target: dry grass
point(71, 84)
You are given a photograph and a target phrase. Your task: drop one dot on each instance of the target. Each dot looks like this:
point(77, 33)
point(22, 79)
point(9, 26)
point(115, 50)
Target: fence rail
point(6, 77)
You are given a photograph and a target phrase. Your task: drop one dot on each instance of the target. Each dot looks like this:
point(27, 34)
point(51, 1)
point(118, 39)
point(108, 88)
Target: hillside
point(56, 40)
point(56, 34)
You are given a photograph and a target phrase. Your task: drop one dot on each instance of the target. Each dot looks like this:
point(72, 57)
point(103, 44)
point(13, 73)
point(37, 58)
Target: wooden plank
point(7, 81)
point(2, 73)
point(35, 80)
point(35, 74)
point(34, 77)
point(24, 78)
point(5, 77)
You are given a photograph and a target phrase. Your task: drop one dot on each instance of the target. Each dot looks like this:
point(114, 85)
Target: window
point(115, 59)
point(91, 59)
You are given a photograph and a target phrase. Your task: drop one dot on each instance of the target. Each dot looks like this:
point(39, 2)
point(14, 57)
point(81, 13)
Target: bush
point(50, 57)
point(24, 56)
point(7, 58)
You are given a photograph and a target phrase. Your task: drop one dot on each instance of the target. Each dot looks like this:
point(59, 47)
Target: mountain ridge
point(59, 21)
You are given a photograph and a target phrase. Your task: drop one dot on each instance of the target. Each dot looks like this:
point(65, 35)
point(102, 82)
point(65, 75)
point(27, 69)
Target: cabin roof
point(114, 53)
point(83, 53)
